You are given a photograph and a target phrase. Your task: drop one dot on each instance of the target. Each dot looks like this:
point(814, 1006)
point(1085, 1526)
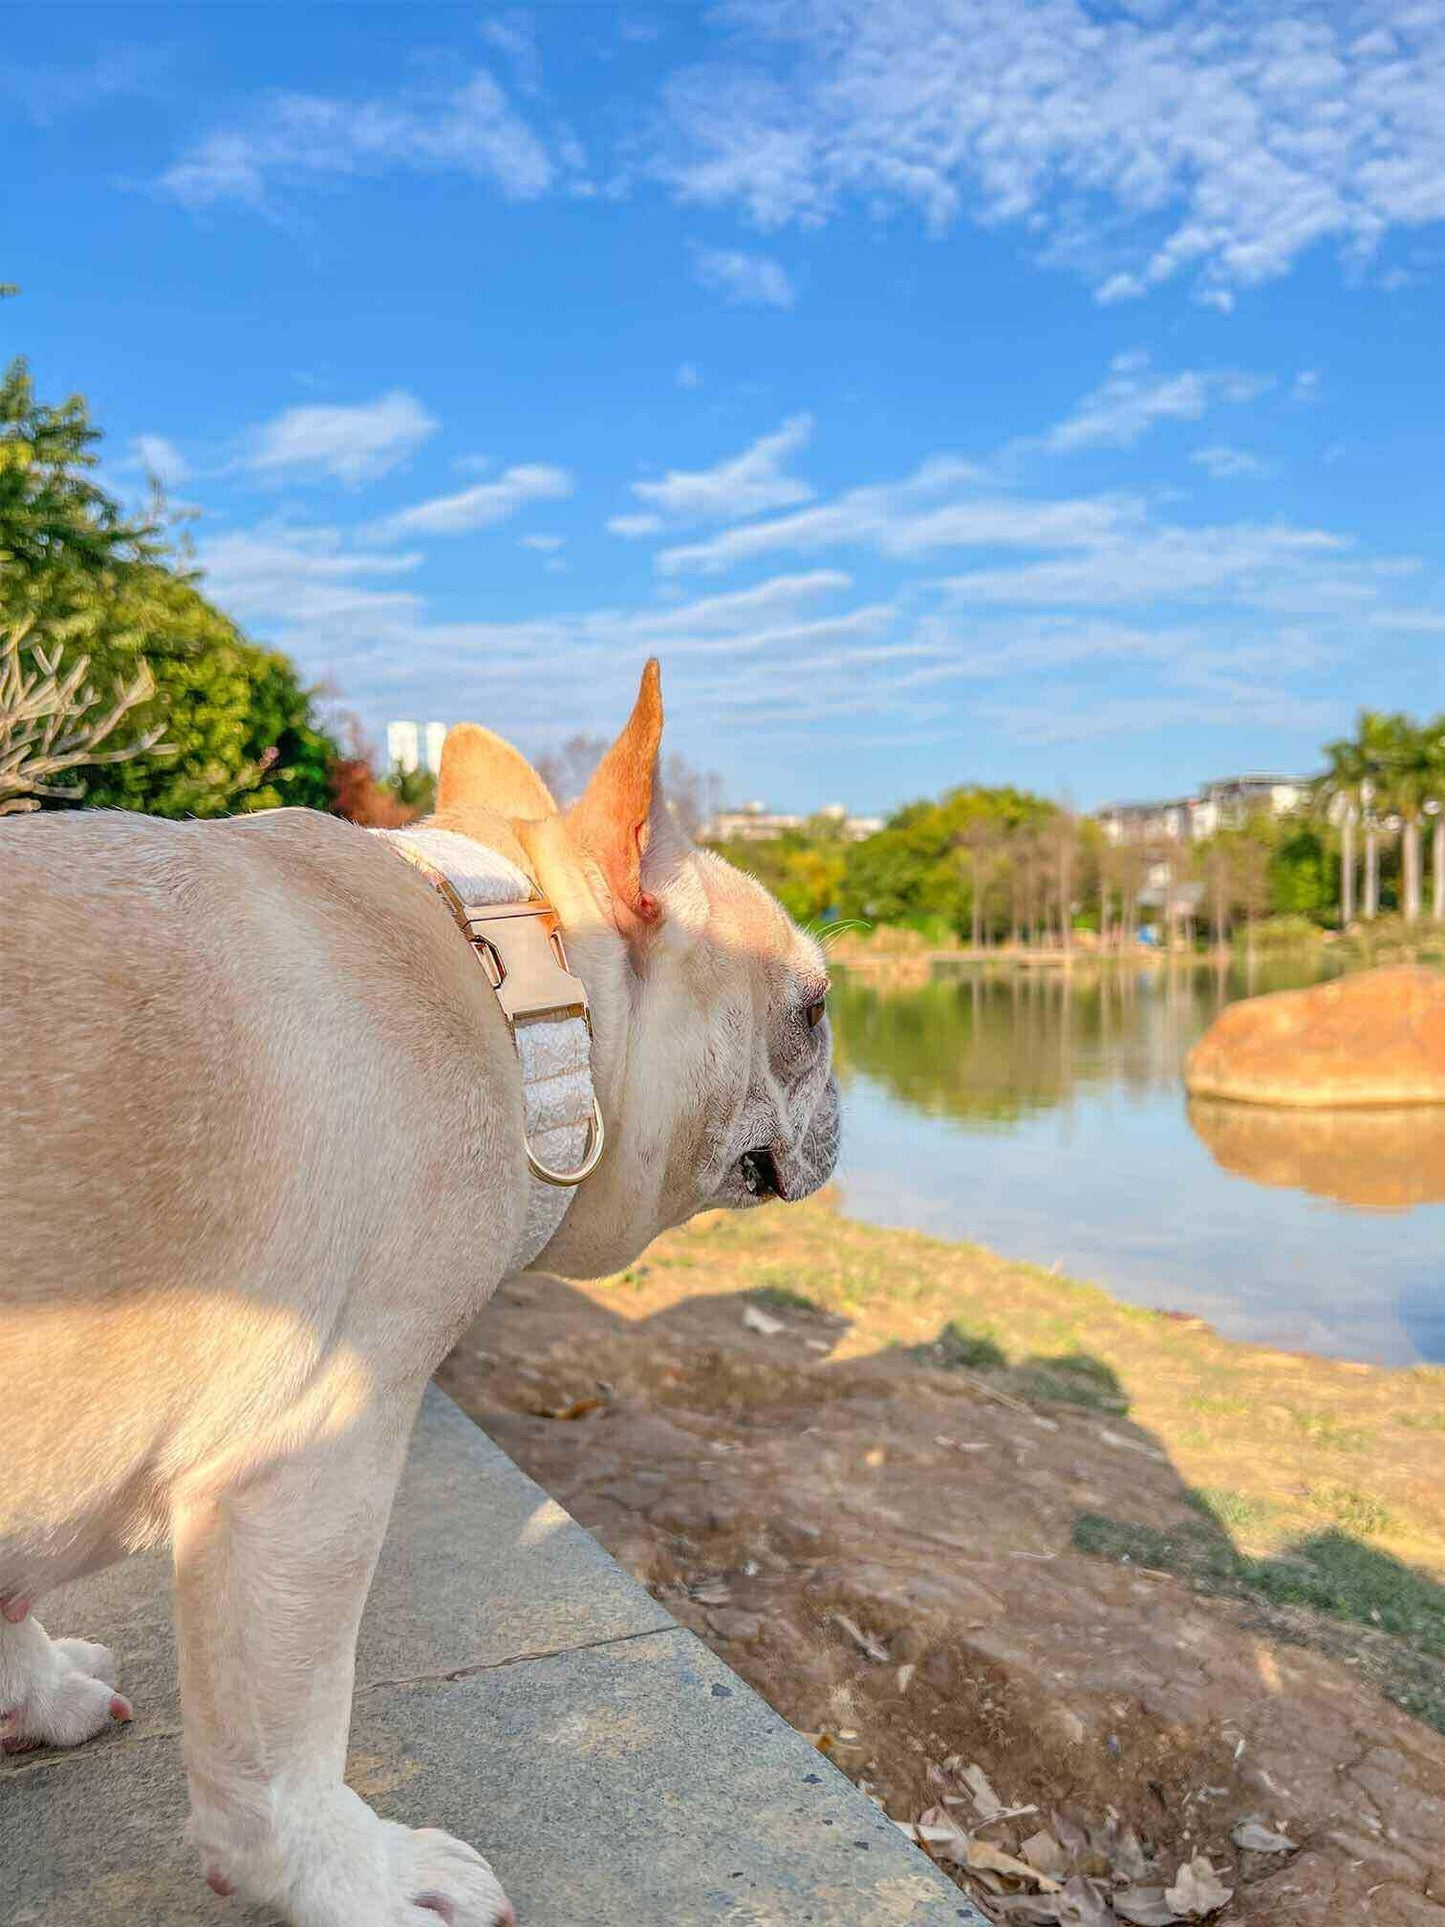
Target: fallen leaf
point(762, 1322)
point(983, 1853)
point(579, 1408)
point(984, 1798)
point(865, 1642)
point(712, 1592)
point(905, 1677)
point(1041, 1850)
point(1197, 1891)
point(1144, 1907)
point(1081, 1904)
point(1069, 1834)
point(941, 1833)
point(1258, 1838)
point(1130, 1862)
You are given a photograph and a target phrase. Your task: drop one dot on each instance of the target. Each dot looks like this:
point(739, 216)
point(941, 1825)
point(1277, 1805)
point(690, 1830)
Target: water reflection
point(1385, 1160)
point(1045, 1115)
point(994, 1044)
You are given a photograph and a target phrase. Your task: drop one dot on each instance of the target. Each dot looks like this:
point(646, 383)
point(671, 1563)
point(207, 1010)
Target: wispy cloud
point(353, 444)
point(907, 518)
point(310, 582)
point(631, 527)
point(1142, 145)
point(746, 280)
point(1266, 565)
point(747, 484)
point(1226, 464)
point(1133, 397)
point(51, 93)
point(473, 129)
point(158, 456)
point(479, 507)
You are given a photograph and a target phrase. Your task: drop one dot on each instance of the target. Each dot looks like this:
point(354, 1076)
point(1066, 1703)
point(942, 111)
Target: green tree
point(923, 863)
point(60, 533)
point(239, 729)
point(1412, 775)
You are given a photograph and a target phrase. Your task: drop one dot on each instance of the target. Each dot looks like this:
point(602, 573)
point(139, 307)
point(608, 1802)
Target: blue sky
point(972, 391)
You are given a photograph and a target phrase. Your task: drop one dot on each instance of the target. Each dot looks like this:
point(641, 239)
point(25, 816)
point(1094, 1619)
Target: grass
point(778, 1297)
point(1311, 1486)
point(1328, 1572)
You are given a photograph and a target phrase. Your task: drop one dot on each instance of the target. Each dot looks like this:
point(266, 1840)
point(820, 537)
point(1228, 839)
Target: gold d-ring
point(597, 1140)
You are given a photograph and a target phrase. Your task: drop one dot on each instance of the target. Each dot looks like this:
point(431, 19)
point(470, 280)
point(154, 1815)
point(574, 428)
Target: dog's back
point(229, 1062)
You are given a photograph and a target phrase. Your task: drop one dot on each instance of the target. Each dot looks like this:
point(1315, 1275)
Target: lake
point(1043, 1113)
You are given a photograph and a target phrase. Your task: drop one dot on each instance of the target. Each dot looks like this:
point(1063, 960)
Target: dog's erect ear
point(479, 770)
point(621, 820)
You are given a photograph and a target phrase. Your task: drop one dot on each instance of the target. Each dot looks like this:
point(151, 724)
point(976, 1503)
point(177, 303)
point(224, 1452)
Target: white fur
point(261, 1165)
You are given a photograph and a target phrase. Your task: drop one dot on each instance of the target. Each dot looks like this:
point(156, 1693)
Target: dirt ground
point(936, 1560)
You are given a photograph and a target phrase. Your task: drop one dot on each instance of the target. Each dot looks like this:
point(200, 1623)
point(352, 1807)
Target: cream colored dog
point(260, 1164)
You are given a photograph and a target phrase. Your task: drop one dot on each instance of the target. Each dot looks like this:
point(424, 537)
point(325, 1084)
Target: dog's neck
point(555, 1052)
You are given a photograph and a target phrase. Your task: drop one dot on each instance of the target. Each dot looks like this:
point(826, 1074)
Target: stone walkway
point(514, 1686)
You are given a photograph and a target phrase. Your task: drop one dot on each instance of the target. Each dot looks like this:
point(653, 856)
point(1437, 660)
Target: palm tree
point(1339, 791)
point(1413, 775)
point(1434, 739)
point(1360, 771)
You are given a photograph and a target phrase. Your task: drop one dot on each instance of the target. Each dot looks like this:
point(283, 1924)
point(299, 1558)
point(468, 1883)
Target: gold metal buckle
point(520, 947)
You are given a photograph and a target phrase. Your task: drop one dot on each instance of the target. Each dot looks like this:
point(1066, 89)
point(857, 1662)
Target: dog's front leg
point(271, 1576)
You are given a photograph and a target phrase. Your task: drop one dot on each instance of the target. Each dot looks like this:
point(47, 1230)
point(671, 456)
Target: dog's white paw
point(68, 1697)
point(332, 1862)
point(442, 1878)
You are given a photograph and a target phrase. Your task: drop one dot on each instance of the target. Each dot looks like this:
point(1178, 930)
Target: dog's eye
point(816, 1012)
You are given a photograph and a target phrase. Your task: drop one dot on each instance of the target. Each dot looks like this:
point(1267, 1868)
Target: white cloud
point(47, 94)
point(480, 506)
point(743, 485)
point(310, 584)
point(159, 456)
point(687, 375)
point(745, 280)
point(903, 519)
point(543, 544)
point(338, 604)
point(1226, 464)
point(1064, 715)
point(631, 527)
point(1268, 566)
point(354, 444)
point(1210, 144)
point(1133, 398)
point(472, 130)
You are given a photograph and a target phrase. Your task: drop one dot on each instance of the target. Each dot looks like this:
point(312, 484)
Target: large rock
point(1374, 1038)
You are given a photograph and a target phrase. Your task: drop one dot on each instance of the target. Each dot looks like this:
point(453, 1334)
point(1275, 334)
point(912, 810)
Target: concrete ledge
point(514, 1686)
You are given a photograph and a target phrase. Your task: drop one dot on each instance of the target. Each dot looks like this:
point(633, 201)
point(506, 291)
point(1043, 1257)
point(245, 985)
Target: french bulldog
point(261, 1164)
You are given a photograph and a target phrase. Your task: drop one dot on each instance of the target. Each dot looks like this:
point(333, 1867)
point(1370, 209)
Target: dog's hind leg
point(271, 1577)
point(53, 1692)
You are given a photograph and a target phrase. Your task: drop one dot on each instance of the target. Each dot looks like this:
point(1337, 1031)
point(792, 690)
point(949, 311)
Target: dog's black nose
point(760, 1173)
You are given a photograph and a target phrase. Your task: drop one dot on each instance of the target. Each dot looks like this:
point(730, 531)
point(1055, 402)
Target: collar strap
point(519, 946)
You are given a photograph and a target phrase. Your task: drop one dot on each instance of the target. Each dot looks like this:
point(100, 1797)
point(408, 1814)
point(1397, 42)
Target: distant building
point(414, 746)
point(756, 823)
point(1222, 805)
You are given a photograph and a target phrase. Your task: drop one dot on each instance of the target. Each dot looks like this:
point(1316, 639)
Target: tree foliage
point(239, 729)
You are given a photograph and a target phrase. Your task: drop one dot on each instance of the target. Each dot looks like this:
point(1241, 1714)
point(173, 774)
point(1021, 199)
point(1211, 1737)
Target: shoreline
point(953, 1514)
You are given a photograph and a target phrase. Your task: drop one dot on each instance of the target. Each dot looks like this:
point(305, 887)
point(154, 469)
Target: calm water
point(1047, 1118)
